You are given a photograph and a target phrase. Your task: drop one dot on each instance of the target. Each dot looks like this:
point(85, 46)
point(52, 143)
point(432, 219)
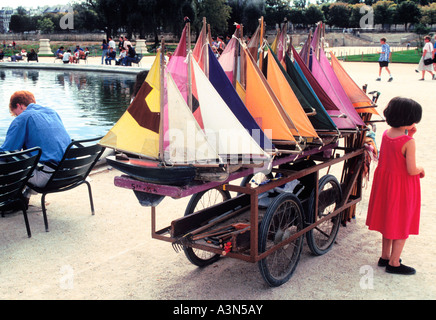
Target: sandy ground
point(111, 255)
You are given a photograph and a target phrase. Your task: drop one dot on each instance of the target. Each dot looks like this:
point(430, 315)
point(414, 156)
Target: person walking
point(385, 57)
point(426, 61)
point(395, 200)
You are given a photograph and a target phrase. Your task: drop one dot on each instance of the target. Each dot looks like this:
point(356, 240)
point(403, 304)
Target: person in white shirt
point(111, 43)
point(67, 57)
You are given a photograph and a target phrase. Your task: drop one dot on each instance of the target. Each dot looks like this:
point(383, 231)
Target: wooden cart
point(215, 224)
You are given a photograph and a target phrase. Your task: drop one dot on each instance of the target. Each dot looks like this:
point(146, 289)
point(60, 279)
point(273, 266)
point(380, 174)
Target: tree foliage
point(141, 18)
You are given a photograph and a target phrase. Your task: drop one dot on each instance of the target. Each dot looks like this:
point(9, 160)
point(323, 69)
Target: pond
point(88, 103)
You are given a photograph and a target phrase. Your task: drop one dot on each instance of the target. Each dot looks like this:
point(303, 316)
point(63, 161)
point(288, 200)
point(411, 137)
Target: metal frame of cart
point(258, 241)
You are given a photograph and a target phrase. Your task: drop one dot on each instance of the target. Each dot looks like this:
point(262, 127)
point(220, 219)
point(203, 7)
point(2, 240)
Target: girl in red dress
point(395, 201)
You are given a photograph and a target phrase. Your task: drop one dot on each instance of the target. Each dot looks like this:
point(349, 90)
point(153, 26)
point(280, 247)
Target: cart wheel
point(321, 238)
point(199, 201)
point(282, 219)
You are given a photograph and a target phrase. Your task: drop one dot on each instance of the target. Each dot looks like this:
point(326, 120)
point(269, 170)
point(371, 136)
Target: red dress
point(395, 202)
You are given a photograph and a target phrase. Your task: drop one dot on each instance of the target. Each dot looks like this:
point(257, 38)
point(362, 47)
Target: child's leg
point(386, 248)
point(389, 71)
point(397, 248)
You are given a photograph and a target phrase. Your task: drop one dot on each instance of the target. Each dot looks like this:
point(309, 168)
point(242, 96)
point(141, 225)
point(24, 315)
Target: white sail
point(221, 126)
point(187, 142)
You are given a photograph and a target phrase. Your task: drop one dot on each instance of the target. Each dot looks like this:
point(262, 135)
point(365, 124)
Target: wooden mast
point(162, 96)
point(188, 48)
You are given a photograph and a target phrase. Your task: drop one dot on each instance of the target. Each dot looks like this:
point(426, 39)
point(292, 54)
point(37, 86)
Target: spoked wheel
point(199, 201)
point(283, 218)
point(321, 238)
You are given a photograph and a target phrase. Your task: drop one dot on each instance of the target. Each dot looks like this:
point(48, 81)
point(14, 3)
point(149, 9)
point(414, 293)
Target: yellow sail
point(137, 131)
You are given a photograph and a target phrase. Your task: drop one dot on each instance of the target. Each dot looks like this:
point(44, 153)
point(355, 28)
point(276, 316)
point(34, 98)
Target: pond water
point(89, 103)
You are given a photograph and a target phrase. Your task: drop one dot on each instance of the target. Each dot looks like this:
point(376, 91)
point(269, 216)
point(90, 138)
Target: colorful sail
point(228, 93)
point(137, 131)
point(324, 72)
point(308, 98)
point(338, 117)
point(263, 105)
point(186, 141)
point(222, 128)
point(228, 58)
point(358, 98)
point(288, 100)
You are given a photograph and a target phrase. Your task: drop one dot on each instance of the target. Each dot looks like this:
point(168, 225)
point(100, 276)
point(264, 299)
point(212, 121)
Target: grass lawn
point(406, 56)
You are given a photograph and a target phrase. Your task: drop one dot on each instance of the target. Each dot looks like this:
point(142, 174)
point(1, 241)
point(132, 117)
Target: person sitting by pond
point(2, 54)
point(123, 54)
point(68, 57)
point(36, 126)
point(32, 56)
point(111, 55)
point(130, 57)
point(79, 53)
point(19, 56)
point(59, 53)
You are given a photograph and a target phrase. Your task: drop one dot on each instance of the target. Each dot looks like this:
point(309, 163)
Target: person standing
point(111, 43)
point(434, 54)
point(395, 201)
point(104, 50)
point(427, 55)
point(36, 126)
point(385, 57)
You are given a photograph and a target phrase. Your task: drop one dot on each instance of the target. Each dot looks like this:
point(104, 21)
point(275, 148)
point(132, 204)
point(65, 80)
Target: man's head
point(19, 102)
point(383, 40)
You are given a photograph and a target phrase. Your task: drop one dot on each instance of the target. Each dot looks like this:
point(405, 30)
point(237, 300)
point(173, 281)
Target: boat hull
point(150, 171)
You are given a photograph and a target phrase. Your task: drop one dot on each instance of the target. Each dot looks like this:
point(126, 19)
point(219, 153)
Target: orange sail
point(358, 98)
point(288, 100)
point(263, 105)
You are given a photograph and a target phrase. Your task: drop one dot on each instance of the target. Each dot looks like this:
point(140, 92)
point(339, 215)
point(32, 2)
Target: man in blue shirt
point(385, 57)
point(36, 126)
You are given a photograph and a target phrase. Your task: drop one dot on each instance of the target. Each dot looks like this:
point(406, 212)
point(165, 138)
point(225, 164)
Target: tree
point(338, 15)
point(382, 13)
point(20, 21)
point(313, 14)
point(276, 11)
point(253, 10)
point(428, 14)
point(355, 15)
point(46, 25)
point(217, 12)
point(408, 12)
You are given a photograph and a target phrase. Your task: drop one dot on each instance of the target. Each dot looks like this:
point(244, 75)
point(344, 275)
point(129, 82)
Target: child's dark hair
point(402, 112)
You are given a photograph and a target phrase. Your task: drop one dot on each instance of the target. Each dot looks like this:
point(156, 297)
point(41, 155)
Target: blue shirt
point(38, 126)
point(386, 50)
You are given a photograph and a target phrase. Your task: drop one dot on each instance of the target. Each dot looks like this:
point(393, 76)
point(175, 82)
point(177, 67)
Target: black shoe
point(384, 262)
point(401, 269)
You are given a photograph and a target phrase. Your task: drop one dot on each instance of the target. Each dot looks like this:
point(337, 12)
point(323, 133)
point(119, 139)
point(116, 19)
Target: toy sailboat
point(163, 141)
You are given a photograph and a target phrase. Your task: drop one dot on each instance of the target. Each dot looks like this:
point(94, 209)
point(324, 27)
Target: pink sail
point(227, 58)
point(329, 81)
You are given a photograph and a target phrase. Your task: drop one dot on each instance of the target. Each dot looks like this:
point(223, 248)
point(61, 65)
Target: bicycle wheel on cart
point(321, 238)
point(282, 219)
point(199, 201)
